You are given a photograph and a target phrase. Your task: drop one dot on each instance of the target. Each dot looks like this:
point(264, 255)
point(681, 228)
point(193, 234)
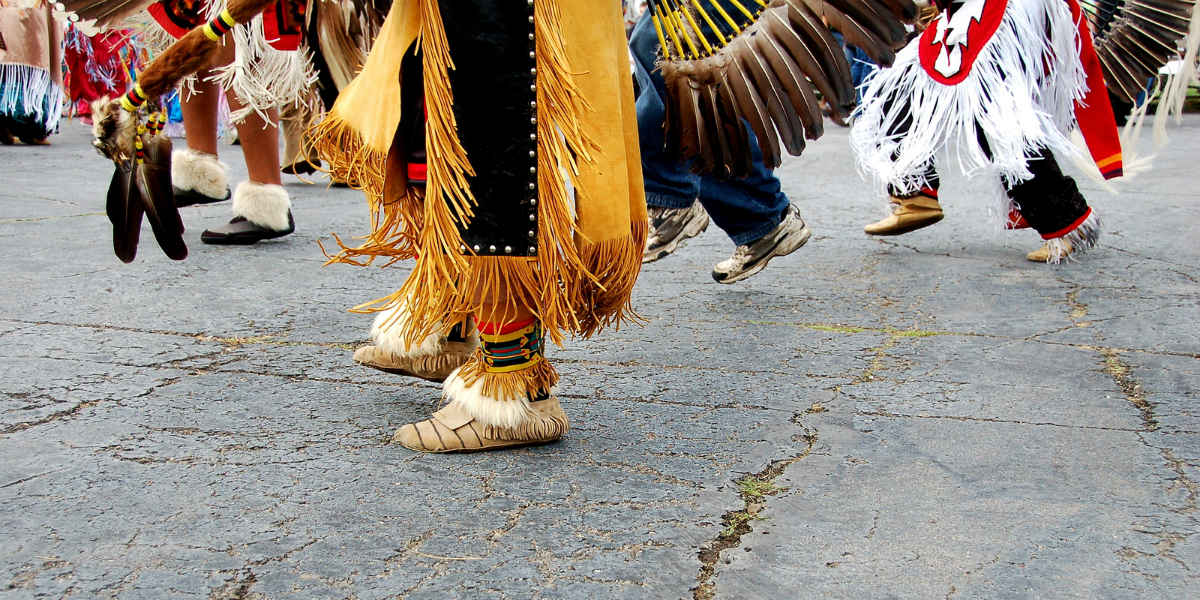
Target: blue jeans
point(746, 209)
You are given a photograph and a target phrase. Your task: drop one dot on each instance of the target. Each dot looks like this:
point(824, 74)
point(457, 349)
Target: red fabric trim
point(1068, 229)
point(418, 171)
point(928, 191)
point(282, 22)
point(1016, 220)
point(499, 329)
point(177, 30)
point(979, 33)
point(1094, 113)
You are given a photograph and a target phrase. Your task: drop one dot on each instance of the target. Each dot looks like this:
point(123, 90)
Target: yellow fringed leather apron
point(562, 238)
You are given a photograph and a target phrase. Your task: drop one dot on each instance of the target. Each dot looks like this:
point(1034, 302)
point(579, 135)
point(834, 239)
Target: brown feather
point(765, 79)
point(905, 10)
point(780, 29)
point(795, 85)
point(785, 119)
point(827, 51)
point(735, 131)
point(1135, 38)
point(719, 144)
point(752, 108)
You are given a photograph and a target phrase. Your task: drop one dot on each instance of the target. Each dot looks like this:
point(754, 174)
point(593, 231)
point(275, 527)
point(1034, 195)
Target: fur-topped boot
point(198, 178)
point(433, 359)
point(260, 212)
point(502, 397)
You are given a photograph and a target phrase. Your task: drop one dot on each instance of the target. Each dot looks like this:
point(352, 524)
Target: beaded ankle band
point(511, 347)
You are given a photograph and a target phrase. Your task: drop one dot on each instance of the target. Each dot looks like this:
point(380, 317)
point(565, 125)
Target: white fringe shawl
point(1020, 101)
point(28, 92)
point(262, 77)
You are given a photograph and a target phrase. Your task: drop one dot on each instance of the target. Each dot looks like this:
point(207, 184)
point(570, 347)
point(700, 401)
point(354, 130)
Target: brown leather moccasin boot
point(436, 367)
point(908, 214)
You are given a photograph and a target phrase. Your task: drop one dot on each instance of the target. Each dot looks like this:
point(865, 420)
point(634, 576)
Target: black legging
point(1050, 201)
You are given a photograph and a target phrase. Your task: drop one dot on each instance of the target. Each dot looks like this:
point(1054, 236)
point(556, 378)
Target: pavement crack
point(966, 419)
point(237, 588)
point(1121, 374)
point(754, 489)
point(30, 478)
point(50, 418)
point(51, 218)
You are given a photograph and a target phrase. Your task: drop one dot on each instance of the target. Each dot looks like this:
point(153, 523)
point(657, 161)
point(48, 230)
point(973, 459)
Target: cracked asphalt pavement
point(914, 417)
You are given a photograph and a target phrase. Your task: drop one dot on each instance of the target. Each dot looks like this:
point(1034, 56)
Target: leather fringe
point(394, 221)
point(614, 265)
point(543, 427)
point(509, 387)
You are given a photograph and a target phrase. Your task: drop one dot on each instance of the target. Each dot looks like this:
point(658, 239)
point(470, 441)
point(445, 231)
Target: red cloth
point(1094, 113)
point(282, 21)
point(98, 73)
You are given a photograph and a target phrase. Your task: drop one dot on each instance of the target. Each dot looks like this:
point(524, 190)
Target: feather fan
point(1135, 38)
point(735, 68)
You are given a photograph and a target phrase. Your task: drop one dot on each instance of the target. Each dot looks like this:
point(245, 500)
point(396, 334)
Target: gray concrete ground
point(918, 417)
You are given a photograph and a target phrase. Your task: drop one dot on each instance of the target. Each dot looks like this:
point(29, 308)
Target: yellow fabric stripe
point(507, 337)
point(227, 18)
point(728, 19)
point(533, 361)
point(1108, 161)
point(671, 31)
point(743, 9)
point(210, 33)
point(696, 30)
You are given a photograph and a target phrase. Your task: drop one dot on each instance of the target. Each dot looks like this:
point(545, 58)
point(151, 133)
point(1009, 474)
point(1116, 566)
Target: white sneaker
point(751, 258)
point(671, 227)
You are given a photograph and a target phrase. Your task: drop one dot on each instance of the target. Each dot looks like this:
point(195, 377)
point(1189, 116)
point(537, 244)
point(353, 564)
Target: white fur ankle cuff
point(263, 204)
point(497, 412)
point(199, 172)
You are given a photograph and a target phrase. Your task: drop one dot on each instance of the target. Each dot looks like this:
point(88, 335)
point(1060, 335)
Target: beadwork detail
point(516, 347)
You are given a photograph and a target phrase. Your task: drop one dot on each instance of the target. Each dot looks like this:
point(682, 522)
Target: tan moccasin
point(1045, 254)
point(908, 214)
point(430, 367)
point(452, 429)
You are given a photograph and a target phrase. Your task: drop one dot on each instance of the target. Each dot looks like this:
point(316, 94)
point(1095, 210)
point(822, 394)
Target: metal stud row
point(533, 135)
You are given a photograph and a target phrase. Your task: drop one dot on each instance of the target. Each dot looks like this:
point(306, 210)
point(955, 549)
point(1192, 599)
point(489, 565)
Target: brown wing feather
point(1134, 38)
point(722, 149)
point(752, 108)
point(786, 121)
point(765, 78)
point(735, 132)
point(797, 87)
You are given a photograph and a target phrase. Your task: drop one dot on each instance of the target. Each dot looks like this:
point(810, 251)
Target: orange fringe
point(526, 383)
point(394, 221)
